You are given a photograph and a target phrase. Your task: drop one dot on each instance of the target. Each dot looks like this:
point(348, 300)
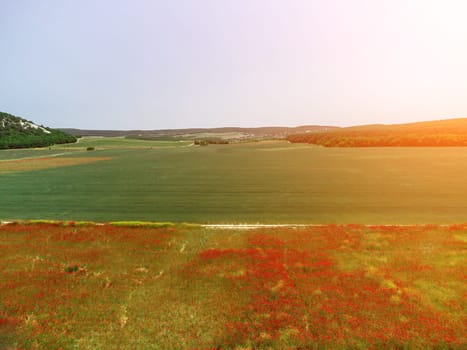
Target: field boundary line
point(36, 157)
point(254, 226)
point(156, 224)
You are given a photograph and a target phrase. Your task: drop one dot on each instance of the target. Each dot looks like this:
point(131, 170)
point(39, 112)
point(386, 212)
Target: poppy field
point(72, 285)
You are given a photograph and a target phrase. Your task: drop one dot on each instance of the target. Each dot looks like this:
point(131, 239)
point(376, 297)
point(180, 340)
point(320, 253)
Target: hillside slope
point(16, 132)
point(450, 132)
point(267, 131)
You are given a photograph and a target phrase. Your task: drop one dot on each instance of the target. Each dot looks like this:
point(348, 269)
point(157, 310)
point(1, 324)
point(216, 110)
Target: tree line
point(16, 132)
point(451, 132)
point(353, 140)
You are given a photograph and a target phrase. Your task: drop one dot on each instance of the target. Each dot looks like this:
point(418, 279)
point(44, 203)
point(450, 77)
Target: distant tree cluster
point(211, 141)
point(16, 132)
point(345, 140)
point(425, 134)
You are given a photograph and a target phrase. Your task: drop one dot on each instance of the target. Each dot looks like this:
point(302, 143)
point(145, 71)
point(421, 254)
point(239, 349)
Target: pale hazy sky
point(149, 64)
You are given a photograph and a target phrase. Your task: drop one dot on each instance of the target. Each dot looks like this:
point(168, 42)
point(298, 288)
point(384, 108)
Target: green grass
point(119, 142)
point(265, 182)
point(27, 153)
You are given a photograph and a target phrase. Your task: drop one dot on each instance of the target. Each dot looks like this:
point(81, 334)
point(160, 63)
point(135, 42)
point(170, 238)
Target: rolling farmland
point(264, 182)
point(233, 175)
point(348, 281)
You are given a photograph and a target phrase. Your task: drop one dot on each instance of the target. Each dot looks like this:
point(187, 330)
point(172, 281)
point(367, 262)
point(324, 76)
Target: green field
point(263, 182)
point(131, 285)
point(119, 142)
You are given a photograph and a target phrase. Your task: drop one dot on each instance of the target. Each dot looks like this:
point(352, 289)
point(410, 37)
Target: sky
point(153, 64)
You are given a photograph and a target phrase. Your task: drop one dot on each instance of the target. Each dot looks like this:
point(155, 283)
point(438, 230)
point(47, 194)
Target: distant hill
point(260, 132)
point(16, 132)
point(450, 132)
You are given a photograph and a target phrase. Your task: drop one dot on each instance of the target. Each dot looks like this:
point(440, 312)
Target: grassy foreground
point(81, 286)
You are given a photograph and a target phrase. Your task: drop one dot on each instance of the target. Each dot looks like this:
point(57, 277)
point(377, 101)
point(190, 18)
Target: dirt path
point(253, 226)
point(256, 226)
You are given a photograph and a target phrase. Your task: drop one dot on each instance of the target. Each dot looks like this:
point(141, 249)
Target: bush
point(72, 268)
